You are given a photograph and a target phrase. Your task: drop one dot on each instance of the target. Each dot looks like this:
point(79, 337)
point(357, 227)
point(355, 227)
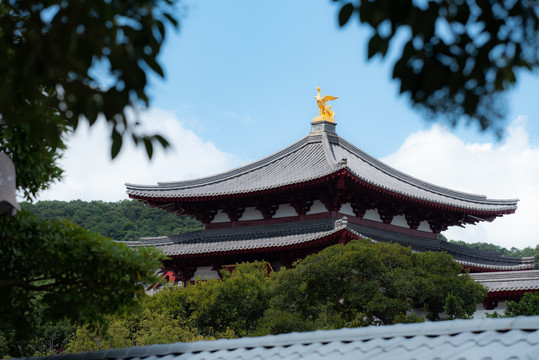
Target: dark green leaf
point(154, 66)
point(171, 19)
point(149, 147)
point(375, 44)
point(116, 143)
point(345, 13)
point(164, 143)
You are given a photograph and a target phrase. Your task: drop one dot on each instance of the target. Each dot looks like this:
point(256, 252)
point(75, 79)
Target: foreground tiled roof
point(290, 234)
point(511, 338)
point(314, 157)
point(509, 280)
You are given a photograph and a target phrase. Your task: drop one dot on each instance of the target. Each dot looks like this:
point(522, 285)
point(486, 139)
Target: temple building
point(319, 191)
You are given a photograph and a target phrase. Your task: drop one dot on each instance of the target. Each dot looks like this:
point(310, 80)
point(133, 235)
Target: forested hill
point(527, 251)
point(123, 220)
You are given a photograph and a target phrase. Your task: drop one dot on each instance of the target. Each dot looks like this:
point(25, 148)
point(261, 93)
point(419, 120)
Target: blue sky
point(242, 72)
point(241, 78)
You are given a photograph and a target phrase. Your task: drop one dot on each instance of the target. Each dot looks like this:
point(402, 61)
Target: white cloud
point(505, 170)
point(91, 175)
point(509, 169)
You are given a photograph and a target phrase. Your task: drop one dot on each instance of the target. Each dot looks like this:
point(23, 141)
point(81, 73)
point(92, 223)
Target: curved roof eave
point(315, 156)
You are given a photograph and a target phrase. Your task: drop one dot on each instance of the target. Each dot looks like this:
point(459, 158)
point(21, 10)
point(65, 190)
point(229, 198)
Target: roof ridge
point(411, 180)
point(328, 151)
point(229, 173)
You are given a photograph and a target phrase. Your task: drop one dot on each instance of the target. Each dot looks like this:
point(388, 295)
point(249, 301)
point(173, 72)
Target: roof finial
point(326, 114)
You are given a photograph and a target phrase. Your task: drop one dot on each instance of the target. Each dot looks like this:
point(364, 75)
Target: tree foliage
point(234, 304)
point(358, 284)
point(458, 57)
point(528, 305)
point(126, 220)
point(133, 329)
point(36, 161)
point(370, 284)
point(513, 252)
point(210, 309)
point(77, 60)
point(51, 271)
point(63, 62)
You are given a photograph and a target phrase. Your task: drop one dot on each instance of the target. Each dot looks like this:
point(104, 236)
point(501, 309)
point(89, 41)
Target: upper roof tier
point(316, 156)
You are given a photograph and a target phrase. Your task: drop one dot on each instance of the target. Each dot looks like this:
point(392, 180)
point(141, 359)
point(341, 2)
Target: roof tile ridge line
point(262, 228)
point(328, 151)
point(421, 183)
point(229, 173)
point(505, 274)
point(403, 176)
point(441, 328)
point(239, 170)
point(411, 179)
point(490, 266)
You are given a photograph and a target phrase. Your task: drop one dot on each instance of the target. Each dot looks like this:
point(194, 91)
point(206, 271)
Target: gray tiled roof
point(244, 238)
point(314, 157)
point(509, 338)
point(288, 234)
point(509, 280)
point(464, 255)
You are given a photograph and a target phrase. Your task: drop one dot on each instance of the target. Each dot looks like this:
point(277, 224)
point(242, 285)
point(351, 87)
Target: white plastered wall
point(205, 272)
point(372, 214)
point(317, 208)
point(285, 210)
point(221, 217)
point(251, 213)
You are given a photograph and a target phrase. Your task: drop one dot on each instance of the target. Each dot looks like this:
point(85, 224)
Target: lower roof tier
point(523, 281)
point(299, 237)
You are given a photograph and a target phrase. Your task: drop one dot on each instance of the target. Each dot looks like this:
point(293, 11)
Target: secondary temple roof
point(524, 281)
point(316, 156)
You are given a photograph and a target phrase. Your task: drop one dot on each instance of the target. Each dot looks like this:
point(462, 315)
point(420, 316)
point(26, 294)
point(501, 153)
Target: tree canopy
point(126, 220)
point(370, 284)
point(51, 271)
point(528, 305)
point(63, 62)
point(358, 284)
point(76, 60)
point(458, 57)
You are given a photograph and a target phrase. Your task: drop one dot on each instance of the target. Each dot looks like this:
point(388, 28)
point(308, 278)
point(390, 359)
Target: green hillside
point(124, 220)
